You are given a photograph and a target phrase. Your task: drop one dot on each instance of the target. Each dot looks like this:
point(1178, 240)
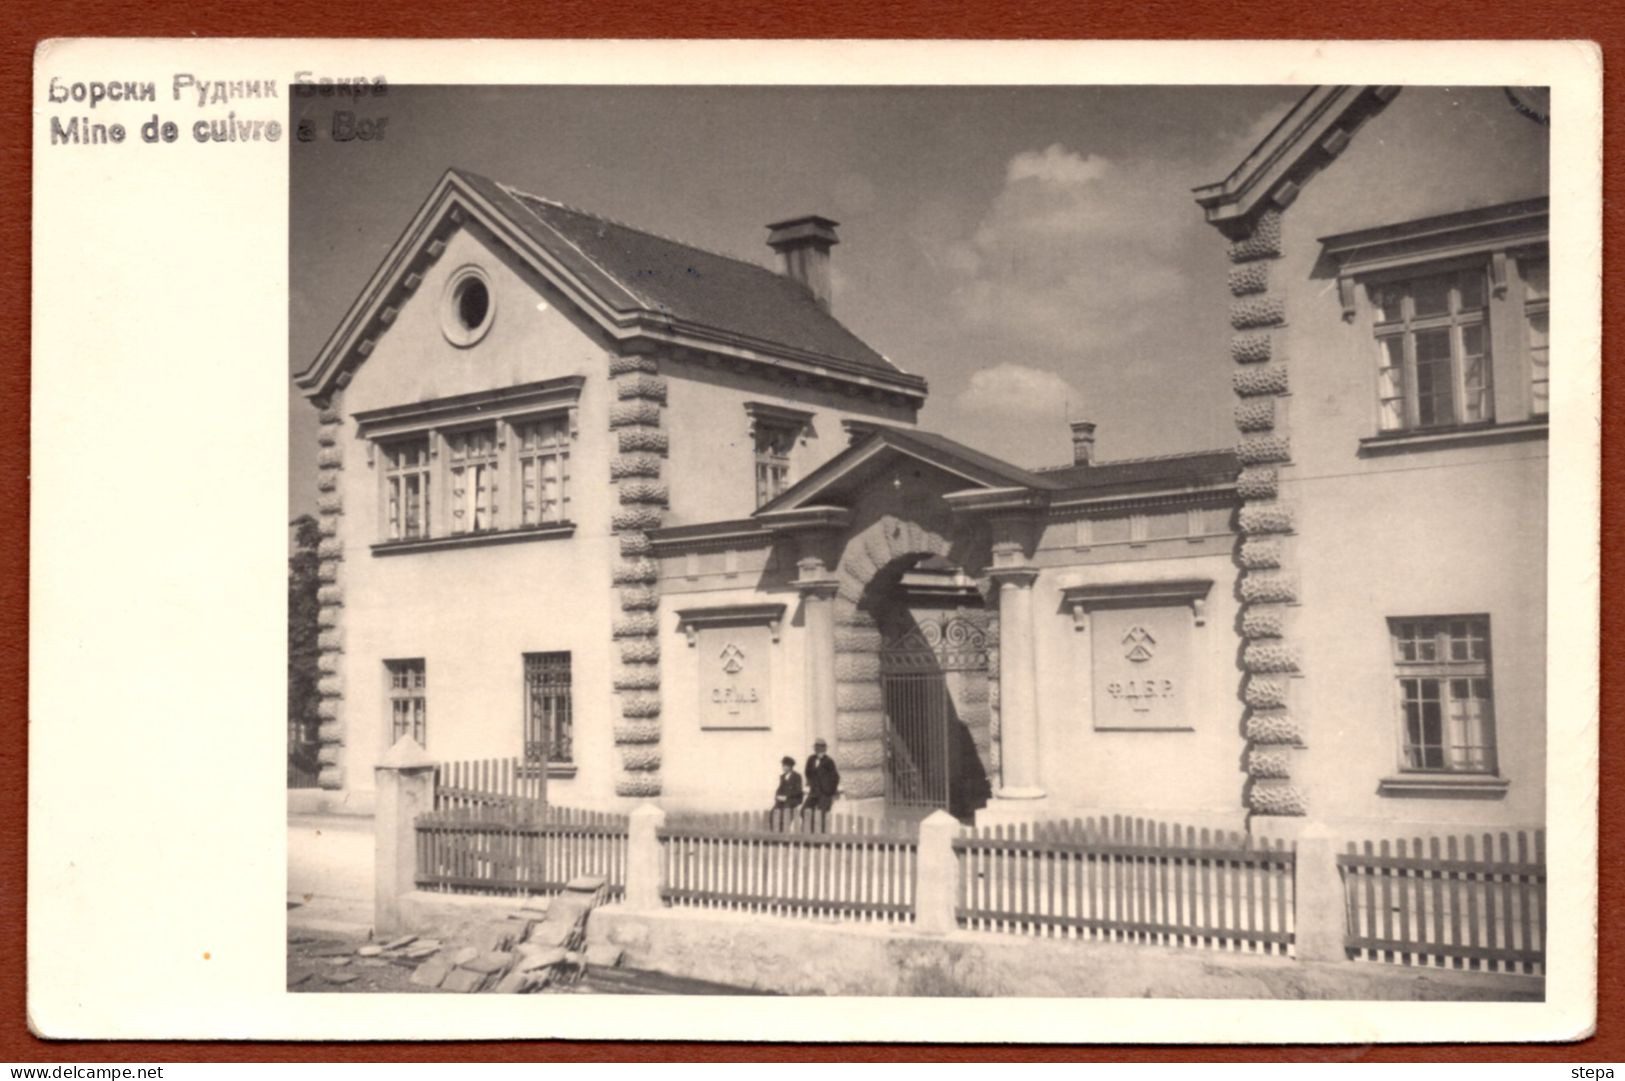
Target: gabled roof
point(634, 284)
point(1313, 132)
point(1129, 474)
point(978, 469)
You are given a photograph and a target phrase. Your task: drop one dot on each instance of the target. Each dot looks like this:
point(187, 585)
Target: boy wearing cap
point(788, 796)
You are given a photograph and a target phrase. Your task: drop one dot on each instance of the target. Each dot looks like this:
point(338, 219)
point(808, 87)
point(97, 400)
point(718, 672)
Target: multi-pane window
point(547, 708)
point(773, 445)
point(544, 471)
point(408, 700)
point(1433, 362)
point(1446, 703)
point(472, 480)
point(406, 489)
point(476, 472)
point(1536, 300)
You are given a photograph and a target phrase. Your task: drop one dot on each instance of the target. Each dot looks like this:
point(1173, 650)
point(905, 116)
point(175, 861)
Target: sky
point(1033, 252)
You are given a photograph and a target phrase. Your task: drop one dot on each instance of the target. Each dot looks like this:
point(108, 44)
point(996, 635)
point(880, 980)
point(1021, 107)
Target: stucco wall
point(471, 612)
point(1193, 776)
point(1438, 531)
point(713, 464)
point(728, 768)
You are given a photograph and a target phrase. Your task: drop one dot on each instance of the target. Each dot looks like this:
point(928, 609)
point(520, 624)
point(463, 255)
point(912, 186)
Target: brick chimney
point(1083, 442)
point(803, 245)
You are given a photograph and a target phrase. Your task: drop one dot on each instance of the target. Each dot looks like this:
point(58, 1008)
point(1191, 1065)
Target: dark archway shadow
point(932, 758)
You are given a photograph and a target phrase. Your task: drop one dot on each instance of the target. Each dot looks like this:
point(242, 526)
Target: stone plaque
point(735, 682)
point(1142, 667)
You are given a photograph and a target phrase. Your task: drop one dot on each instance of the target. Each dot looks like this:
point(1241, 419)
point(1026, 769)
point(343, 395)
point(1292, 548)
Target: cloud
point(1075, 252)
point(1016, 390)
point(1055, 165)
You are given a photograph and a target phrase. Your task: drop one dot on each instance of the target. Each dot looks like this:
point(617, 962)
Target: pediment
point(875, 457)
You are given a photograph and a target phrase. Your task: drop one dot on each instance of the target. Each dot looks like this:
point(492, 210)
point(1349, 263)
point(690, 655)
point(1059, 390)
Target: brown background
point(29, 21)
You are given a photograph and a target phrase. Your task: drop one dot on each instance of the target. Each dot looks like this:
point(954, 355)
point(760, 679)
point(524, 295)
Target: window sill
point(473, 540)
point(556, 771)
point(1426, 439)
point(1443, 786)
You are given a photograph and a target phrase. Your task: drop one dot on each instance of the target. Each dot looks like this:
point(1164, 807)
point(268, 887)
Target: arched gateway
point(900, 597)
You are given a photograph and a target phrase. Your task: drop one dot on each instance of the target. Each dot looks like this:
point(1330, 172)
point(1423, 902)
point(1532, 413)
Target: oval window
point(468, 307)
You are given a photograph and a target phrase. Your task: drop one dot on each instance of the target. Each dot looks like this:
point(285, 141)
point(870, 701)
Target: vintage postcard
point(1013, 530)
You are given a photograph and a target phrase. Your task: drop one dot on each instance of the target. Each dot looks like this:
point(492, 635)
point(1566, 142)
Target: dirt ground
point(321, 962)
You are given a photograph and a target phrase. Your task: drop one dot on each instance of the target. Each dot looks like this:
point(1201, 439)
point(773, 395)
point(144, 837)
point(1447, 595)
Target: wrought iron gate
point(914, 679)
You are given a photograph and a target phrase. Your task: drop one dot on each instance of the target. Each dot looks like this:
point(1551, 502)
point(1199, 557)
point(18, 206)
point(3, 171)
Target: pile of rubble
point(542, 945)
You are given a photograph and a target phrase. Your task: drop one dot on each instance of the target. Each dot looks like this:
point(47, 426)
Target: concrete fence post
point(936, 883)
point(405, 784)
point(643, 857)
point(1321, 905)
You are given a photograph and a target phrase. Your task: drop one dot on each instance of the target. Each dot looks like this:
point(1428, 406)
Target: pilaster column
point(1018, 685)
point(817, 588)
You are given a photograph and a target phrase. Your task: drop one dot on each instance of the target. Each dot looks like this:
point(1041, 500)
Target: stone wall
point(330, 592)
point(806, 957)
point(1267, 588)
point(641, 445)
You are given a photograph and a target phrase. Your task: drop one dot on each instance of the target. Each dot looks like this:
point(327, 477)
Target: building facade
point(1389, 269)
point(652, 518)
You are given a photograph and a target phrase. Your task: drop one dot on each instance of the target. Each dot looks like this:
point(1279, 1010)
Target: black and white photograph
point(923, 541)
point(860, 541)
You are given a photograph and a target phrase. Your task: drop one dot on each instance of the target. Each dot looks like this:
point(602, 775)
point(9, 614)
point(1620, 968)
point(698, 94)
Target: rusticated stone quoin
point(858, 696)
point(1259, 381)
point(1264, 449)
point(635, 419)
point(643, 491)
point(1257, 415)
point(1265, 693)
point(648, 387)
point(639, 600)
point(1270, 657)
point(1251, 348)
point(863, 783)
point(638, 677)
point(640, 650)
point(1276, 798)
point(1262, 623)
point(641, 758)
point(637, 732)
point(1257, 312)
point(1249, 278)
point(1272, 764)
point(861, 754)
point(637, 785)
point(638, 518)
point(635, 543)
point(640, 704)
point(634, 440)
point(1261, 553)
point(628, 365)
point(1269, 588)
point(859, 724)
point(1271, 727)
point(636, 572)
point(637, 625)
point(1264, 242)
point(629, 414)
point(1258, 482)
point(634, 465)
point(1265, 518)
